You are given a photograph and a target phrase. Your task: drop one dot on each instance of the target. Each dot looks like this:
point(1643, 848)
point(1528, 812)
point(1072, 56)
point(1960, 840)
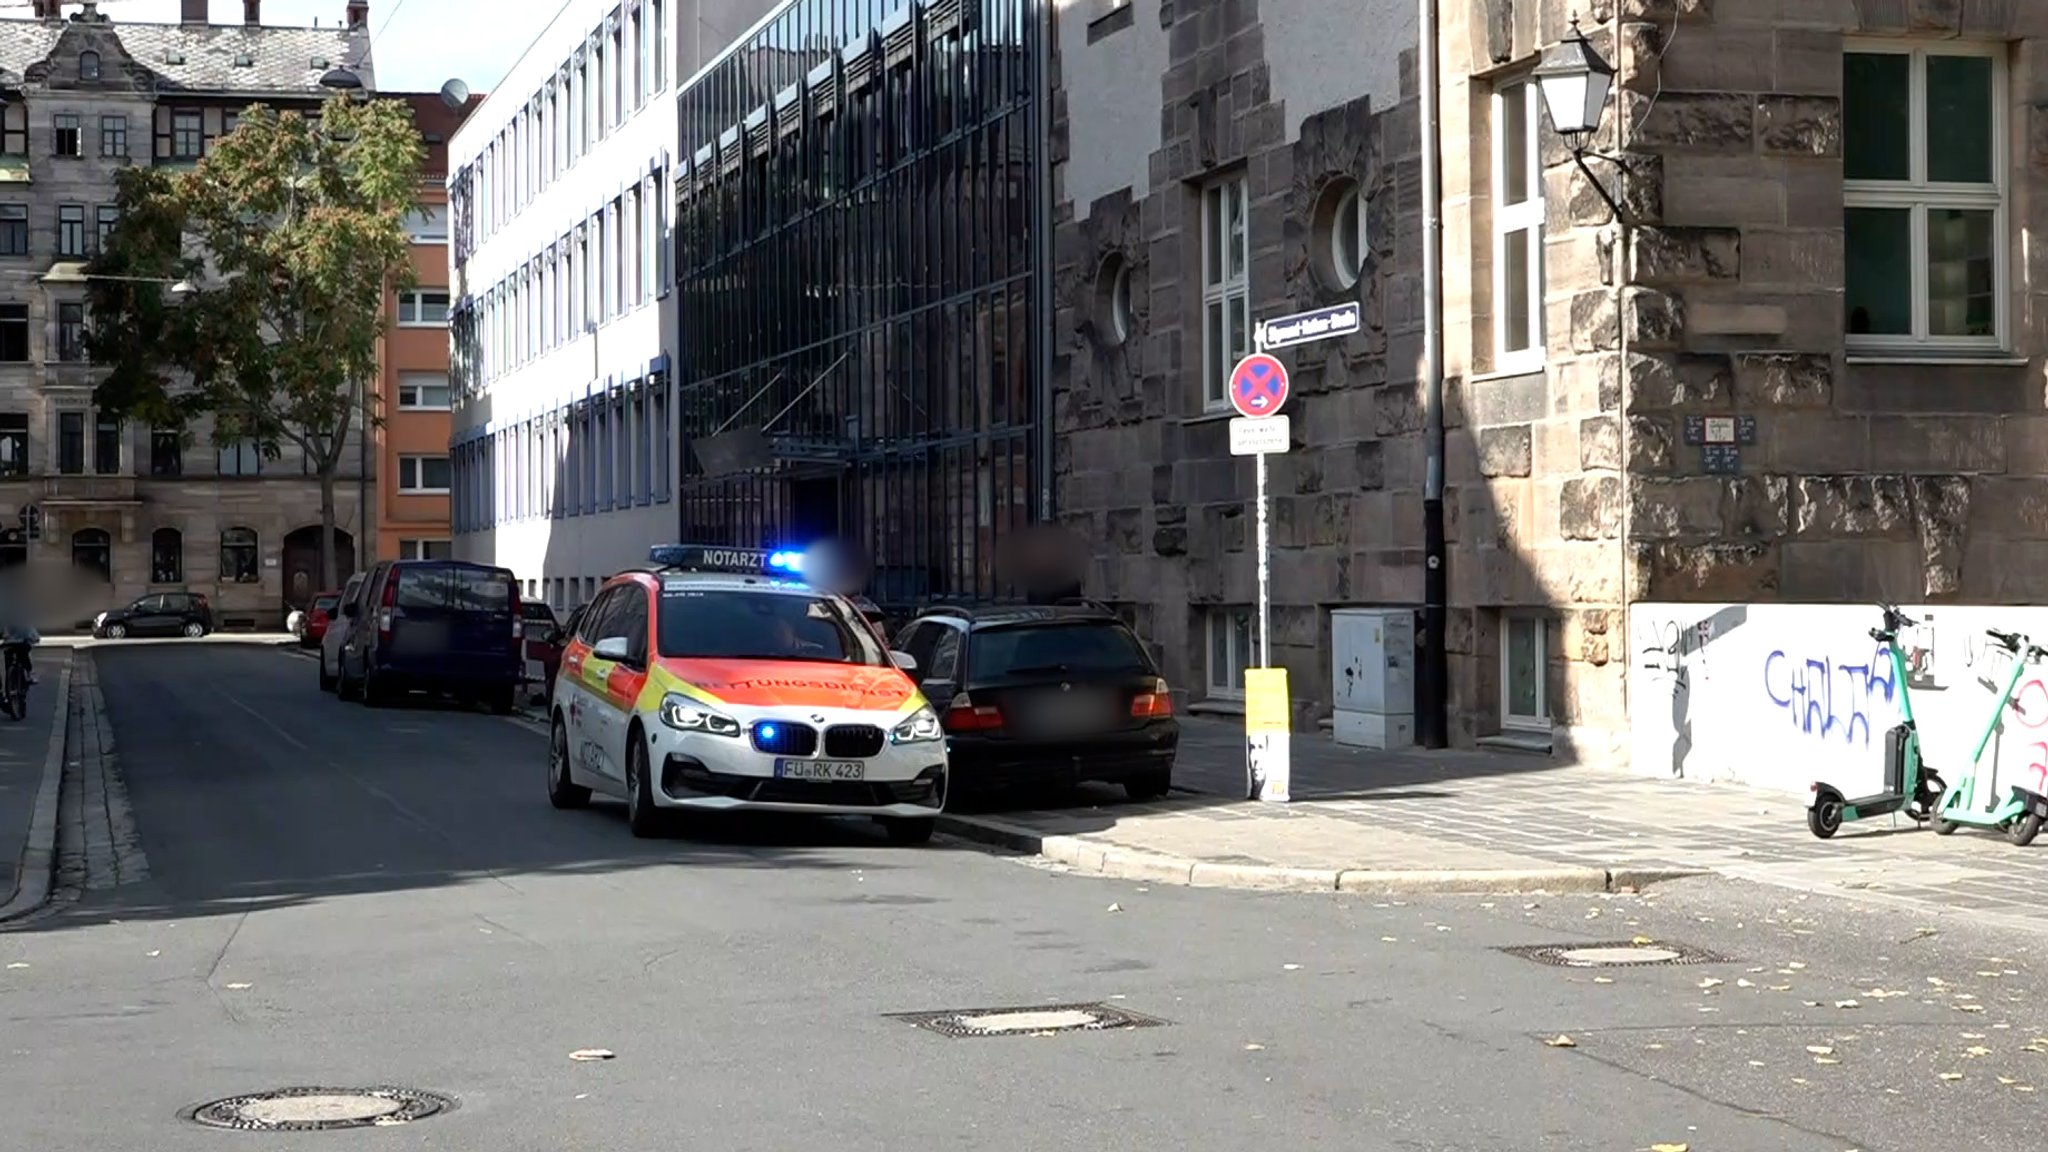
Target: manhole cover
point(1627, 955)
point(321, 1109)
point(1029, 1021)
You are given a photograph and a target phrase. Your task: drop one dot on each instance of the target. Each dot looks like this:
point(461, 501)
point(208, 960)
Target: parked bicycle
point(15, 681)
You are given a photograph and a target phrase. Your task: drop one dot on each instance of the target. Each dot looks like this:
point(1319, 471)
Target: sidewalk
point(31, 771)
point(1468, 820)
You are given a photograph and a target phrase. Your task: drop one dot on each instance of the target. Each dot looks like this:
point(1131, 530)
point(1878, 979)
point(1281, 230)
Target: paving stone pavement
point(1466, 809)
point(98, 846)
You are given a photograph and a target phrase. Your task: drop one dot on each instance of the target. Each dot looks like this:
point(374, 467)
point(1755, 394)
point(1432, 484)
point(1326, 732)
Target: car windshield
point(1093, 646)
point(326, 603)
point(730, 625)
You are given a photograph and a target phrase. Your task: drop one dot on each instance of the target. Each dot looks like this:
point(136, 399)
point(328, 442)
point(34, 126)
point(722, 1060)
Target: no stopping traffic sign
point(1258, 385)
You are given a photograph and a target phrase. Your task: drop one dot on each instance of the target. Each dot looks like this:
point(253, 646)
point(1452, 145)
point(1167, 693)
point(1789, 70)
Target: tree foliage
point(289, 232)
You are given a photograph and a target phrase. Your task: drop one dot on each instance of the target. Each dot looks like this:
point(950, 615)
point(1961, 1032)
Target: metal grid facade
point(860, 246)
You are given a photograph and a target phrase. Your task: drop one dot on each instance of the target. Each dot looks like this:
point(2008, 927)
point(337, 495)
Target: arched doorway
point(302, 564)
point(92, 552)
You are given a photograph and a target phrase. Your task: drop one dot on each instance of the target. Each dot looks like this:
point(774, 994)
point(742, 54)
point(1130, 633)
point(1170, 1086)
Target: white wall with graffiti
point(1780, 695)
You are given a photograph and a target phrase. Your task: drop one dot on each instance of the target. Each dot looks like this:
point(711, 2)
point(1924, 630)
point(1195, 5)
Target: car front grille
point(782, 738)
point(853, 741)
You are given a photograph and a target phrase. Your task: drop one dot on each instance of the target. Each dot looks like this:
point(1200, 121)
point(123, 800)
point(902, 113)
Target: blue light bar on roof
point(782, 562)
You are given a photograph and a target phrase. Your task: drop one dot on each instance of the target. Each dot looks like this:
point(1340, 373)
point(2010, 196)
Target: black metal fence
point(858, 254)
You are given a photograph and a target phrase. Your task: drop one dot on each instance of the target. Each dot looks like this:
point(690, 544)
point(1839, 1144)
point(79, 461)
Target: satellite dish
point(455, 94)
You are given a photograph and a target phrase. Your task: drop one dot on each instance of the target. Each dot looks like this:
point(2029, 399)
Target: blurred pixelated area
point(52, 596)
point(1042, 563)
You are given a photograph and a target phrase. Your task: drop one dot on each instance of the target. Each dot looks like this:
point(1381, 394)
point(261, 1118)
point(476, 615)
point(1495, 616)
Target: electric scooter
point(1908, 784)
point(2021, 815)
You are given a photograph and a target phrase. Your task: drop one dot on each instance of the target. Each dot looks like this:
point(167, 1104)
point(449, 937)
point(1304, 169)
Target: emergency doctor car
point(717, 681)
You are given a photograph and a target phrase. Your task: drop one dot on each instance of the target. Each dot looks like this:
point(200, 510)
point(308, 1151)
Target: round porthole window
point(1340, 235)
point(1113, 299)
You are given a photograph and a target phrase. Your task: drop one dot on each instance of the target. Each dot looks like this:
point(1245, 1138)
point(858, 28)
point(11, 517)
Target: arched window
point(93, 550)
point(166, 556)
point(88, 65)
point(239, 560)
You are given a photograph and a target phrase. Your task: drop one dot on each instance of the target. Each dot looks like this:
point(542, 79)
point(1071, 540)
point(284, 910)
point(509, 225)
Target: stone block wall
point(1143, 471)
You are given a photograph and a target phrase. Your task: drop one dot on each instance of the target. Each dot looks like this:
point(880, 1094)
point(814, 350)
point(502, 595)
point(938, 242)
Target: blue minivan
point(440, 626)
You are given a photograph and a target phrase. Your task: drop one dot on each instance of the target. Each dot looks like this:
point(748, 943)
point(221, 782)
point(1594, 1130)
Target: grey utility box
point(1373, 676)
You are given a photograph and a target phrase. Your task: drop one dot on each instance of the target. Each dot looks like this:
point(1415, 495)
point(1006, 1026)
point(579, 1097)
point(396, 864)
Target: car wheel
point(502, 700)
point(1150, 786)
point(909, 831)
point(563, 792)
point(371, 693)
point(327, 682)
point(194, 629)
point(117, 631)
point(641, 815)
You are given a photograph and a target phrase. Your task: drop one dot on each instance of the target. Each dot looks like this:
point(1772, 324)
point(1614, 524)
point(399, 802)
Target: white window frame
point(410, 385)
point(1509, 721)
point(412, 474)
point(416, 549)
point(1918, 194)
point(1220, 288)
point(411, 305)
point(1226, 683)
point(427, 224)
point(1510, 219)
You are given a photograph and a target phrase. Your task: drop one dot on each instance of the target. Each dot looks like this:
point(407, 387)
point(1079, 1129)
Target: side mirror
point(612, 648)
point(903, 660)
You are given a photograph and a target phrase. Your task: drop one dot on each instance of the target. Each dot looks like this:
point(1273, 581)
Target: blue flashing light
point(786, 563)
point(767, 732)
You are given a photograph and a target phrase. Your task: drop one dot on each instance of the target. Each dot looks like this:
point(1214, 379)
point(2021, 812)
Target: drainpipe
point(1433, 669)
point(363, 481)
point(1041, 146)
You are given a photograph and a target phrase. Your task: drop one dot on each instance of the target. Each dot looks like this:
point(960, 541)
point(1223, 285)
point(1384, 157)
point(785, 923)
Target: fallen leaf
point(589, 1054)
point(1796, 965)
point(2007, 1081)
point(1847, 1004)
point(1969, 1007)
point(158, 952)
point(17, 964)
point(1255, 1047)
point(1603, 979)
point(1820, 1049)
point(2023, 1088)
point(1390, 939)
point(237, 986)
point(1562, 1042)
point(1825, 1060)
point(1951, 1075)
point(1291, 967)
point(1781, 987)
point(1115, 908)
point(1641, 941)
point(1976, 1050)
point(1989, 975)
point(1744, 984)
point(1710, 982)
point(1756, 1063)
point(1670, 1147)
point(1937, 981)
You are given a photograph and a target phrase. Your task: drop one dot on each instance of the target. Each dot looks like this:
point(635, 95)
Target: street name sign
point(1309, 327)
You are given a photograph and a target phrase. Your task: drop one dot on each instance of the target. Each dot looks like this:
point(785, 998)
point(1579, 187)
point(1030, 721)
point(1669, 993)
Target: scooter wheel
point(1824, 819)
point(2023, 830)
point(1941, 827)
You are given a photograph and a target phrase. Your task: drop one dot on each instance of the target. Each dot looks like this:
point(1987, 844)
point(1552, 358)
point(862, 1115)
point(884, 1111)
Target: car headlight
point(922, 727)
point(686, 715)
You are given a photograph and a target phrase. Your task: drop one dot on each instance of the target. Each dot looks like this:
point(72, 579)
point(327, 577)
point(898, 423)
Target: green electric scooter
point(1908, 784)
point(2021, 815)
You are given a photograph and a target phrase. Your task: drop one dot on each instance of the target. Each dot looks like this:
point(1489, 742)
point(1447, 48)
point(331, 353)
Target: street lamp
point(1575, 81)
point(74, 273)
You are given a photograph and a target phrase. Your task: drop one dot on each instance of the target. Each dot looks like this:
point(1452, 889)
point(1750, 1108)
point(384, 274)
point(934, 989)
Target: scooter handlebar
point(2010, 641)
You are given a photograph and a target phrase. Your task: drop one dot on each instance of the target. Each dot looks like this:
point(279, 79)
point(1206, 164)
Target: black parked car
point(157, 614)
point(1053, 694)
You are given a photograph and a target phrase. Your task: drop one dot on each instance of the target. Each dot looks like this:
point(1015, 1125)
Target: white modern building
point(564, 454)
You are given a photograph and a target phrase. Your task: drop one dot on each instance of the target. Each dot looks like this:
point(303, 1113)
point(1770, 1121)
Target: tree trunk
point(329, 577)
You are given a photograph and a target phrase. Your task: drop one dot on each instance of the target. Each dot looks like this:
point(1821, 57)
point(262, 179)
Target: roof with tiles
point(226, 58)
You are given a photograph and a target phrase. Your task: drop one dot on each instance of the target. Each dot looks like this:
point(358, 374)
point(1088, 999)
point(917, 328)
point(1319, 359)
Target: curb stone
point(38, 868)
point(1095, 858)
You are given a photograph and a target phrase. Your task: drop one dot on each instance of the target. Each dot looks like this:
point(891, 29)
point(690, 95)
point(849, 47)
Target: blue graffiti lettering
point(1826, 698)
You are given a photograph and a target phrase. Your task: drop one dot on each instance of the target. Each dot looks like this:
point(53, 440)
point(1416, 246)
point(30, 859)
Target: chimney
point(252, 12)
point(194, 12)
point(358, 13)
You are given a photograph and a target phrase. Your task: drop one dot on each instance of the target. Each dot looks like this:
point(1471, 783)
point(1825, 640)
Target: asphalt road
point(342, 896)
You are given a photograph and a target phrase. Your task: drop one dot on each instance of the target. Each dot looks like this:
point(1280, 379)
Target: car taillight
point(384, 612)
point(964, 715)
point(1153, 704)
point(518, 612)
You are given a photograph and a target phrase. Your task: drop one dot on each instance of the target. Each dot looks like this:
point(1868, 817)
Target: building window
point(68, 141)
point(1923, 161)
point(424, 391)
point(14, 128)
point(71, 332)
point(240, 458)
point(88, 65)
point(1230, 650)
point(114, 136)
point(1522, 663)
point(13, 333)
point(638, 48)
point(106, 446)
point(1517, 230)
point(92, 549)
point(423, 310)
point(13, 230)
point(166, 556)
point(71, 230)
point(71, 443)
point(1226, 286)
point(426, 550)
point(13, 443)
point(427, 224)
point(657, 55)
point(107, 216)
point(188, 135)
point(423, 474)
point(240, 558)
point(166, 452)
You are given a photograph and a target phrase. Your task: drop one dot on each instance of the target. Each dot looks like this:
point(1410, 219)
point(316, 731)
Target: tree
point(289, 232)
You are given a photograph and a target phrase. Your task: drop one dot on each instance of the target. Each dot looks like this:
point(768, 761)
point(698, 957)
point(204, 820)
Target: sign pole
point(1265, 538)
point(1258, 391)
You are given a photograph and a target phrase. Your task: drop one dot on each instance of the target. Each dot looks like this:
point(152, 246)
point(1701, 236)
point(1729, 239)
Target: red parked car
point(318, 617)
point(544, 644)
